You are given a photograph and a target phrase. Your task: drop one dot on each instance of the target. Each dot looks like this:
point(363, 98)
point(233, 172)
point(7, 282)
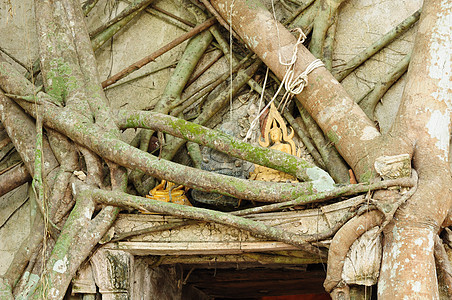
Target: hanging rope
point(293, 85)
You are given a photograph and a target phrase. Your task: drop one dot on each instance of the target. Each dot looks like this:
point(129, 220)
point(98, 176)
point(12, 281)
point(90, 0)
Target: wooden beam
point(195, 247)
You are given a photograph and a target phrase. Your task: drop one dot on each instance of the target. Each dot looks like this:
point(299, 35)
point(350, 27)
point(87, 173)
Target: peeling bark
point(408, 268)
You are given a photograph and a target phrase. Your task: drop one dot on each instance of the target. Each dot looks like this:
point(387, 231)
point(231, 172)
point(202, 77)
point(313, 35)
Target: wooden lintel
point(192, 248)
point(201, 238)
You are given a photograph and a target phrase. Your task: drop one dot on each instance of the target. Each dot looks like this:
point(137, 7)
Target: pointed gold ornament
point(275, 137)
point(167, 191)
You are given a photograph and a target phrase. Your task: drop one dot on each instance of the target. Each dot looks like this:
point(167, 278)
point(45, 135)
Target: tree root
point(334, 163)
point(372, 97)
point(26, 251)
point(13, 178)
point(198, 74)
point(172, 16)
point(195, 154)
point(88, 5)
point(139, 64)
point(133, 158)
point(220, 19)
point(218, 141)
point(443, 264)
point(214, 105)
point(173, 90)
point(328, 43)
point(352, 230)
point(297, 12)
point(305, 139)
point(342, 242)
point(393, 207)
point(122, 82)
point(305, 19)
point(324, 20)
point(105, 32)
point(348, 190)
point(344, 71)
point(190, 99)
point(136, 6)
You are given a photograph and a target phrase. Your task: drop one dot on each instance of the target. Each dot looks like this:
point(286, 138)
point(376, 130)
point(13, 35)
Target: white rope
point(301, 39)
point(254, 123)
point(293, 85)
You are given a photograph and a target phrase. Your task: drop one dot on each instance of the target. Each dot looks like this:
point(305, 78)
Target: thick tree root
point(216, 140)
point(334, 163)
point(13, 178)
point(393, 207)
point(341, 243)
point(443, 264)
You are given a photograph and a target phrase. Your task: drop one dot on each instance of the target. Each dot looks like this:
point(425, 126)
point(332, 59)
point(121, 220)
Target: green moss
point(184, 126)
point(240, 185)
point(333, 137)
point(60, 79)
point(253, 4)
point(366, 177)
point(135, 121)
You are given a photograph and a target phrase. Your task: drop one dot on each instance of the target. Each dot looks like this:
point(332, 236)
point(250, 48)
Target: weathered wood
point(208, 238)
point(192, 248)
point(191, 293)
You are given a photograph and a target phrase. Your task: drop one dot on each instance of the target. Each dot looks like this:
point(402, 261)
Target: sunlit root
point(341, 244)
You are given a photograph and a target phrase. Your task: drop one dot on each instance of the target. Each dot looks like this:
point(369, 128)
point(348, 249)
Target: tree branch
point(123, 73)
point(348, 190)
point(220, 141)
point(342, 242)
point(343, 71)
point(13, 178)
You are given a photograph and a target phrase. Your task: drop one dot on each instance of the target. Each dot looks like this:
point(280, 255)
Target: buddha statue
point(168, 192)
point(275, 137)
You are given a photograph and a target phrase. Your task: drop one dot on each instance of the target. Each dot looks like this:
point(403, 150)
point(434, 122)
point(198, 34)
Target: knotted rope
point(292, 84)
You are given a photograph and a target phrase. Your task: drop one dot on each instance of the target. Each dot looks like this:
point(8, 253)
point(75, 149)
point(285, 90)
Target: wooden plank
point(191, 248)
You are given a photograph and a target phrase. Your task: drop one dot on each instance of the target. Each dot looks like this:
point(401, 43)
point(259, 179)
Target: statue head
point(275, 134)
